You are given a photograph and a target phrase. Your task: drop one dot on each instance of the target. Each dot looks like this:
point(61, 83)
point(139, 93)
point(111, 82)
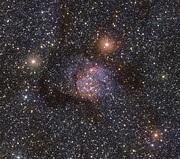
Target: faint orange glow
point(156, 135)
point(107, 45)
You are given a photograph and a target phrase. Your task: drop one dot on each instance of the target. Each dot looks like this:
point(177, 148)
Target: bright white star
point(33, 61)
point(106, 44)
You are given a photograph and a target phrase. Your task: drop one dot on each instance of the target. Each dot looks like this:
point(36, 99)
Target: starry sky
point(82, 79)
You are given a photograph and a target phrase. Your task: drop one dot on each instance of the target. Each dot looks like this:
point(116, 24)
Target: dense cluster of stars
point(89, 79)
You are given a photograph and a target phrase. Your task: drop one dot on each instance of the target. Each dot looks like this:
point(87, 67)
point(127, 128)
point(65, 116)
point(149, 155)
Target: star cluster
point(94, 82)
point(89, 79)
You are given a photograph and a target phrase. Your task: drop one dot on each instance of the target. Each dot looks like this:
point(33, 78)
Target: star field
point(89, 79)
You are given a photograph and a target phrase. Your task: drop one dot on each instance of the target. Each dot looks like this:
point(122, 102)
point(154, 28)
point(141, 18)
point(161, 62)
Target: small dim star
point(25, 97)
point(18, 157)
point(163, 76)
point(152, 145)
